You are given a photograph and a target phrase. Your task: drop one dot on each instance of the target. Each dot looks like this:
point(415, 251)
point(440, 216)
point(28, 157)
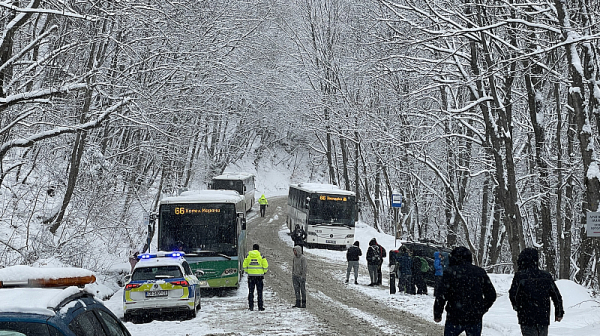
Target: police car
point(162, 282)
point(53, 302)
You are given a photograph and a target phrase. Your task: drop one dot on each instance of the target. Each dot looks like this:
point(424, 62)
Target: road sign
point(593, 224)
point(396, 200)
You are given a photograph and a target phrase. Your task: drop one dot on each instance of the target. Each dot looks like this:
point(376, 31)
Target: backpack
point(376, 256)
point(424, 265)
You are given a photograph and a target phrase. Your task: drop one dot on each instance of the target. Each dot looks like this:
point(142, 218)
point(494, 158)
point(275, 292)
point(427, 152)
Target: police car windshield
point(156, 272)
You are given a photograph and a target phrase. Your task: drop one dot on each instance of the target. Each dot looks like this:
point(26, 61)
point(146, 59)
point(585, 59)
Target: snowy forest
point(483, 114)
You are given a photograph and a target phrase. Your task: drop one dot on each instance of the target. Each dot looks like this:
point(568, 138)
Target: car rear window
point(157, 272)
point(26, 329)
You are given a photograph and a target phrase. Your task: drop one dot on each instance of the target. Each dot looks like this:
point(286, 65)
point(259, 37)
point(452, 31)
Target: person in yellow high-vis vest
point(256, 266)
point(262, 201)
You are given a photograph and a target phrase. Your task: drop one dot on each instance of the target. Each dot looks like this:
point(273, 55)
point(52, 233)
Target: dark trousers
point(263, 208)
point(379, 275)
point(255, 282)
point(455, 329)
point(405, 283)
point(534, 330)
point(438, 281)
point(420, 283)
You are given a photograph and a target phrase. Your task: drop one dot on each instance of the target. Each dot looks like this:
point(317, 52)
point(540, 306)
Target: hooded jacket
point(354, 252)
point(465, 291)
point(299, 266)
point(263, 200)
point(531, 291)
point(255, 264)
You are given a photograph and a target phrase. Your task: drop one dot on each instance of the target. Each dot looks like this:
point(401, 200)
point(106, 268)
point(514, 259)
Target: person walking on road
point(374, 260)
point(530, 295)
point(299, 271)
point(404, 271)
point(299, 237)
point(352, 256)
point(262, 201)
point(256, 266)
point(467, 294)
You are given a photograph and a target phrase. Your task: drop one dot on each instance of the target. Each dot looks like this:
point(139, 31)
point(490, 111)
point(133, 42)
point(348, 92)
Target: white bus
point(327, 213)
point(243, 183)
point(210, 227)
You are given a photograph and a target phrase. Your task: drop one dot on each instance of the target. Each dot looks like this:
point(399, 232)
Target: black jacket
point(531, 291)
point(465, 290)
point(299, 236)
point(353, 253)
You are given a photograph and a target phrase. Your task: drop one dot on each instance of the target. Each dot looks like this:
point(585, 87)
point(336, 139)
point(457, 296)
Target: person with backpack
point(374, 260)
point(420, 267)
point(352, 256)
point(382, 252)
point(530, 295)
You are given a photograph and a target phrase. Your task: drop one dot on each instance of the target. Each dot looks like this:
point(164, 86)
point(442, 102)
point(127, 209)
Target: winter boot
point(303, 304)
point(346, 280)
point(297, 305)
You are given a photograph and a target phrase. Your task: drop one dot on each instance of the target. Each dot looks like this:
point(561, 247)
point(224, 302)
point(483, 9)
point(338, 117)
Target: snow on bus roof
point(233, 176)
point(323, 188)
point(205, 196)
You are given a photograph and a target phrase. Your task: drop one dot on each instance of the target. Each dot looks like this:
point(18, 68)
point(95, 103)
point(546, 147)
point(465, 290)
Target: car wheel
point(127, 317)
point(192, 314)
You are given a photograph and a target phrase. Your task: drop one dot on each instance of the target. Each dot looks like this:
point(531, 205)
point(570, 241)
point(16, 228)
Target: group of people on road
point(462, 289)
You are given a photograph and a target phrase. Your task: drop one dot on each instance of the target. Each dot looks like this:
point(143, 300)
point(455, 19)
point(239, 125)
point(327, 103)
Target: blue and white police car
point(161, 282)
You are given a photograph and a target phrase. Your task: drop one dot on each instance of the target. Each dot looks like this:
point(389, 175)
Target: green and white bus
point(327, 213)
point(243, 183)
point(210, 227)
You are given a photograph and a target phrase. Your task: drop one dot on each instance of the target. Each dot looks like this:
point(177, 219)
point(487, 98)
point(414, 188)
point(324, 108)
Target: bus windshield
point(195, 228)
point(332, 210)
point(236, 185)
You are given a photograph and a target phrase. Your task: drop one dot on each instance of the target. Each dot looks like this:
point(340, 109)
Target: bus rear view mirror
point(199, 273)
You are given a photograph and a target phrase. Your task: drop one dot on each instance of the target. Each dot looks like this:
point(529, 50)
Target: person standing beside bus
point(299, 271)
point(262, 201)
point(299, 236)
point(374, 260)
point(256, 266)
point(352, 256)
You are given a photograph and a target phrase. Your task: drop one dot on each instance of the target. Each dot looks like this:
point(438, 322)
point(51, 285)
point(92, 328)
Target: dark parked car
point(426, 250)
point(29, 309)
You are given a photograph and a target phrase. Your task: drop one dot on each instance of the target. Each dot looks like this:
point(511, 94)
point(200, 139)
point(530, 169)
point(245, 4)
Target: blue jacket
point(437, 264)
point(404, 263)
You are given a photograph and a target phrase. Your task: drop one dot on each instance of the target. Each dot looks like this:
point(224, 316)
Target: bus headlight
point(203, 283)
point(312, 233)
point(229, 271)
point(350, 235)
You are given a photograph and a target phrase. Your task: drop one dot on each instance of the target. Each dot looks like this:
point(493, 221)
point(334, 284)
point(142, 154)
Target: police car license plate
point(157, 293)
point(330, 241)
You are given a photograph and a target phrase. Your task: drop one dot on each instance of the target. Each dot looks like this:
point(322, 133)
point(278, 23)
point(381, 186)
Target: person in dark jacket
point(352, 256)
point(530, 295)
point(404, 271)
point(467, 294)
point(382, 252)
point(418, 276)
point(374, 260)
point(299, 237)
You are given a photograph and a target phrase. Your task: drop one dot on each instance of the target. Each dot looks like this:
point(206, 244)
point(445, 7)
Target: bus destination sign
point(188, 211)
point(333, 198)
